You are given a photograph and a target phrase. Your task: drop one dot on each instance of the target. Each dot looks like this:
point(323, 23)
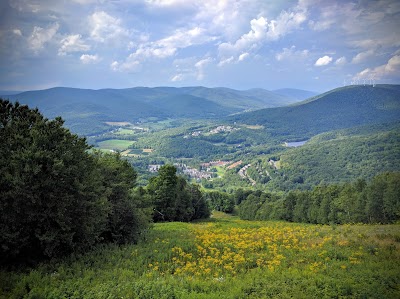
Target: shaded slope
point(340, 108)
point(294, 93)
point(86, 110)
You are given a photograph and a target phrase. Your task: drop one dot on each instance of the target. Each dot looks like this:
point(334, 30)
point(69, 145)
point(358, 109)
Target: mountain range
point(86, 110)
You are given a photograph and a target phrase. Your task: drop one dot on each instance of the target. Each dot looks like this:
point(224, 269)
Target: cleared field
point(254, 127)
point(125, 132)
point(227, 258)
point(118, 123)
point(115, 144)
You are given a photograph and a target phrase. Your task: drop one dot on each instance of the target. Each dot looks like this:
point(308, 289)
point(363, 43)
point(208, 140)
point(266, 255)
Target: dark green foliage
point(174, 199)
point(376, 202)
point(343, 157)
point(340, 108)
point(221, 201)
point(128, 214)
point(55, 197)
point(179, 147)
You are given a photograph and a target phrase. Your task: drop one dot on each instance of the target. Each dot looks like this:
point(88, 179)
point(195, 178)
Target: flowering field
point(227, 258)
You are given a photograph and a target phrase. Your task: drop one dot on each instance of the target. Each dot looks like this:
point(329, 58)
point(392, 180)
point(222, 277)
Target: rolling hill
point(86, 110)
point(340, 108)
point(298, 94)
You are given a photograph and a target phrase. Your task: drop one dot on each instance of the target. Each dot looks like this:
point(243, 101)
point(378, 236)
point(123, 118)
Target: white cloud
point(243, 56)
point(226, 61)
point(177, 78)
point(200, 65)
point(164, 3)
point(72, 43)
point(41, 36)
point(114, 65)
point(166, 47)
point(25, 6)
point(360, 57)
point(326, 18)
point(262, 30)
point(323, 61)
point(285, 23)
point(105, 27)
point(86, 58)
point(291, 54)
point(17, 32)
point(341, 61)
point(84, 2)
point(392, 67)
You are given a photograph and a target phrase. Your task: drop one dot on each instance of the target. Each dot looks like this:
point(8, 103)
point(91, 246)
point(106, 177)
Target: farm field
point(115, 144)
point(226, 257)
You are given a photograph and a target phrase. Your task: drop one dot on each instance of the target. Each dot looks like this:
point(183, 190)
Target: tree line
point(58, 195)
point(359, 202)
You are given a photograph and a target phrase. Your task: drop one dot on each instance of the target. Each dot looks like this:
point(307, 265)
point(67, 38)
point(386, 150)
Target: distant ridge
point(298, 94)
point(340, 108)
point(85, 109)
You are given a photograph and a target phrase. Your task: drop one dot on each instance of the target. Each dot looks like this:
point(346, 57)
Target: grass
point(226, 257)
point(115, 144)
point(125, 132)
point(220, 171)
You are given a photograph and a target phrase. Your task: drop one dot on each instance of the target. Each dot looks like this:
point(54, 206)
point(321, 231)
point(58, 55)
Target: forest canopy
point(56, 196)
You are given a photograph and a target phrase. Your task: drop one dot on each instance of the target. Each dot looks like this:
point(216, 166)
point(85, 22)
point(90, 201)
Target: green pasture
point(226, 257)
point(125, 132)
point(115, 144)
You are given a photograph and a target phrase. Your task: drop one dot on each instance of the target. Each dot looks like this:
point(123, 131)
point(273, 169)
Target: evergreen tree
point(51, 201)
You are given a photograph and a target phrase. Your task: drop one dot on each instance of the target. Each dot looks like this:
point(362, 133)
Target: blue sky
point(308, 44)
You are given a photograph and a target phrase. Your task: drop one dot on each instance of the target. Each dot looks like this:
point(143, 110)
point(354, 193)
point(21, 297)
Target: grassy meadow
point(115, 144)
point(226, 257)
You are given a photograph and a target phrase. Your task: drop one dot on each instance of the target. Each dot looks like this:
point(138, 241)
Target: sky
point(314, 45)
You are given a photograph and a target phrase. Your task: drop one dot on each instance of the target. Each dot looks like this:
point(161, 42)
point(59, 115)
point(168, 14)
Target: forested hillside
point(58, 196)
point(341, 156)
point(344, 107)
point(86, 110)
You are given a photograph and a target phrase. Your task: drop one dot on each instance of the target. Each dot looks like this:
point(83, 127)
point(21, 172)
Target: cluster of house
point(210, 164)
point(205, 169)
point(193, 172)
point(219, 129)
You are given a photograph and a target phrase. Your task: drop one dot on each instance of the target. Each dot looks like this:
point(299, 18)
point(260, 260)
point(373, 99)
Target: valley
point(334, 137)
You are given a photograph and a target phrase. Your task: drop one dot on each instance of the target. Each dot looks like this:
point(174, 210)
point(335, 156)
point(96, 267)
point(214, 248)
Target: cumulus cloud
point(291, 54)
point(17, 32)
point(72, 43)
point(105, 27)
point(392, 67)
point(166, 47)
point(200, 66)
point(341, 61)
point(360, 57)
point(226, 61)
point(87, 58)
point(41, 36)
point(326, 18)
point(84, 2)
point(323, 61)
point(262, 30)
point(243, 56)
point(257, 33)
point(177, 78)
point(165, 3)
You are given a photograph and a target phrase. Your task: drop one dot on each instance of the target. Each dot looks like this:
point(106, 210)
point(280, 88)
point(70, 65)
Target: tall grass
point(226, 258)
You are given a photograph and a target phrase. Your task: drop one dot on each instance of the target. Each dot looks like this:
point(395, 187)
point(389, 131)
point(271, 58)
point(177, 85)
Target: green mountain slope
point(340, 108)
point(298, 94)
point(341, 156)
point(86, 110)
